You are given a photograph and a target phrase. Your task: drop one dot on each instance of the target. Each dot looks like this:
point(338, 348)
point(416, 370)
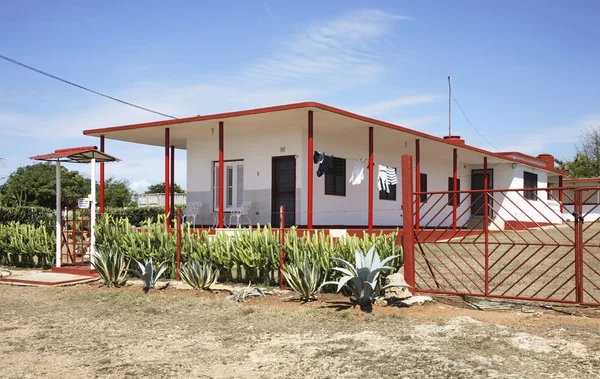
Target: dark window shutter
point(423, 187)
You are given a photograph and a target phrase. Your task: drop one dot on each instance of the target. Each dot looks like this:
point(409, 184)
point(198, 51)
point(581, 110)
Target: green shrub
point(198, 275)
point(110, 264)
point(250, 254)
point(26, 245)
point(304, 278)
point(35, 216)
point(361, 278)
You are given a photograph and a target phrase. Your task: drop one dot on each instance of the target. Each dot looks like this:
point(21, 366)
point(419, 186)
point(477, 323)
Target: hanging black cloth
point(327, 159)
point(318, 157)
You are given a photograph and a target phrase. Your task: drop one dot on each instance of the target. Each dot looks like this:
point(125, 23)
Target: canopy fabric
point(82, 154)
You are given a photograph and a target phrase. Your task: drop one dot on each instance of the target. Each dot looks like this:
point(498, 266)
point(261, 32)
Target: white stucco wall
point(256, 146)
point(516, 207)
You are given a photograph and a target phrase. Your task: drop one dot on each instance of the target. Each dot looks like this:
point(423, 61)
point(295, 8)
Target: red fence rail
point(505, 243)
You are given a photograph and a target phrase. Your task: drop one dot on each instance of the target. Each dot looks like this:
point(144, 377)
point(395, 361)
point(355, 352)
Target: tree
point(36, 185)
point(586, 163)
point(160, 188)
point(117, 192)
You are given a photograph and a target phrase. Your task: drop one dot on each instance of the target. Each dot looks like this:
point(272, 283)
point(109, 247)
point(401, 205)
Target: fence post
point(578, 208)
point(178, 275)
point(486, 216)
point(281, 242)
point(408, 232)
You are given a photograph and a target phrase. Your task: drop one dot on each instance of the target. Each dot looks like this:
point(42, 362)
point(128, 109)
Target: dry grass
point(535, 263)
point(87, 332)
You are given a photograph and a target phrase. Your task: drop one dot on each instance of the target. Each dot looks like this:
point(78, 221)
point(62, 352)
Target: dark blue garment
point(327, 159)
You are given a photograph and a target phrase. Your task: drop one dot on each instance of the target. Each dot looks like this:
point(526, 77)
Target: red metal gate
point(528, 243)
point(75, 238)
point(588, 230)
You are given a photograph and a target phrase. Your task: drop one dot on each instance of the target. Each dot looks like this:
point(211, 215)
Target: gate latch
point(578, 217)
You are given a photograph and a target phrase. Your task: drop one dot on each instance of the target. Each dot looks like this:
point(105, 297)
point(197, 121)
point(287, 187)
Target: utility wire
point(472, 126)
point(84, 88)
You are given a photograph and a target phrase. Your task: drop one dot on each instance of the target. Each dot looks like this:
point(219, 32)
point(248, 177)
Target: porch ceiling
point(291, 116)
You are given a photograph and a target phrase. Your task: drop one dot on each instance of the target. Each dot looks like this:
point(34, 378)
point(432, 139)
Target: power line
point(472, 126)
point(83, 88)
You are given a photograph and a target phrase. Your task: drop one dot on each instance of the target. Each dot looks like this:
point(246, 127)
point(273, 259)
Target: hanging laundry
point(324, 165)
point(318, 157)
point(357, 172)
point(382, 178)
point(392, 177)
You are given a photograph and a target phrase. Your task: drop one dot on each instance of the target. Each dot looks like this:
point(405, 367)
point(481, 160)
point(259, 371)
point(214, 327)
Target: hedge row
point(37, 216)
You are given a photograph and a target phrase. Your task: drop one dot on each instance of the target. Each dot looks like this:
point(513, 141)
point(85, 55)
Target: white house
point(266, 156)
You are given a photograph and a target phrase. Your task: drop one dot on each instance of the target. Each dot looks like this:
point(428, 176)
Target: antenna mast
point(449, 108)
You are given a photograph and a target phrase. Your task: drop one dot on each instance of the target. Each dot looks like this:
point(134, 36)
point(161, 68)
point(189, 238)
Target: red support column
point(309, 185)
point(167, 177)
point(560, 194)
point(221, 179)
point(101, 178)
point(417, 182)
point(486, 223)
point(371, 181)
point(455, 184)
point(408, 232)
point(172, 189)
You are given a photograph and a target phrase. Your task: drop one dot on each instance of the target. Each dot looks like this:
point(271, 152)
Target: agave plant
point(305, 279)
point(361, 278)
point(149, 274)
point(248, 292)
point(199, 276)
point(109, 263)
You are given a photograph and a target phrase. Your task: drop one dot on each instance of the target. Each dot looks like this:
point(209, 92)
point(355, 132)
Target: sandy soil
point(90, 332)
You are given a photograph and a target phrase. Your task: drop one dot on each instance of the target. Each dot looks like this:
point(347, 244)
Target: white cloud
point(343, 50)
point(313, 63)
point(386, 107)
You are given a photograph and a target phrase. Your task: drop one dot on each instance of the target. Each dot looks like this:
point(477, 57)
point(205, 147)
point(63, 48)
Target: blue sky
point(525, 72)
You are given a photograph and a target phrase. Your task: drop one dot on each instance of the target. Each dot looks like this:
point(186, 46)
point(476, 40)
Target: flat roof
point(152, 133)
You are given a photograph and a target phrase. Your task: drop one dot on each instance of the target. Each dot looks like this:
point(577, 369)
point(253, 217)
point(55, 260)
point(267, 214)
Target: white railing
point(158, 199)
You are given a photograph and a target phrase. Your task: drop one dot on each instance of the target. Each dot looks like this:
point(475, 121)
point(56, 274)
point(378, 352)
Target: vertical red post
point(408, 232)
point(417, 182)
point(309, 185)
point(455, 184)
point(560, 194)
point(371, 181)
point(101, 178)
point(178, 275)
point(282, 243)
point(221, 175)
point(577, 207)
point(167, 177)
point(172, 189)
point(486, 222)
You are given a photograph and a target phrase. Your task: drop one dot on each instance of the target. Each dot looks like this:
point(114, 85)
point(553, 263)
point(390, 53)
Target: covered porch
point(266, 157)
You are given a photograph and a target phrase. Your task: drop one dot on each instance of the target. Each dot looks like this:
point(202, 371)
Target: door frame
point(273, 193)
point(490, 187)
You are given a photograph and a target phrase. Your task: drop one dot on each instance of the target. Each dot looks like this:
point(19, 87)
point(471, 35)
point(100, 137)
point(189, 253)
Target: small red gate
point(75, 235)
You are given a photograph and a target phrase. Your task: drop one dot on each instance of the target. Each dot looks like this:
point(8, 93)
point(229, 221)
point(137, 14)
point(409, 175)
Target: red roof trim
point(309, 104)
point(64, 153)
point(73, 153)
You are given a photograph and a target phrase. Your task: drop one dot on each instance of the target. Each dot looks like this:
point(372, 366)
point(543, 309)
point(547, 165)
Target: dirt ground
point(90, 332)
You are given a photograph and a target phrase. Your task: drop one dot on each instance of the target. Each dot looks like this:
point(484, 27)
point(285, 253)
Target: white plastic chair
point(192, 211)
point(241, 212)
